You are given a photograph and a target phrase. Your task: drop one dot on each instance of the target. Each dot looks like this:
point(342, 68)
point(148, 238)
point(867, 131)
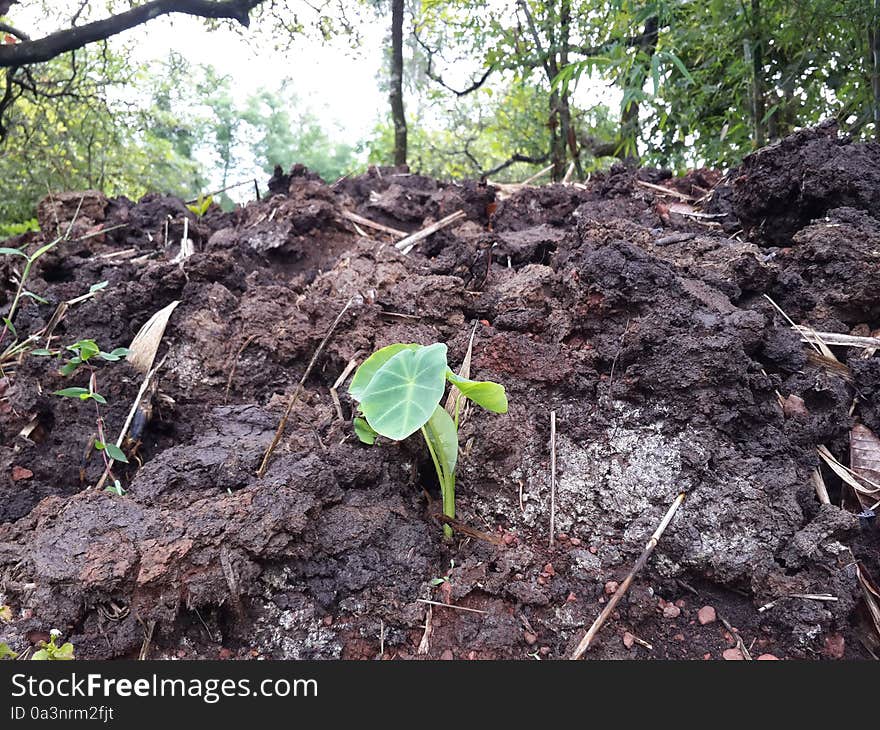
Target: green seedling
point(52, 652)
point(21, 290)
point(444, 578)
point(200, 207)
point(84, 354)
point(6, 652)
point(398, 390)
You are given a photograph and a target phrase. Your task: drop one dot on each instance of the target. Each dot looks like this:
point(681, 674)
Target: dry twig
point(624, 587)
point(279, 432)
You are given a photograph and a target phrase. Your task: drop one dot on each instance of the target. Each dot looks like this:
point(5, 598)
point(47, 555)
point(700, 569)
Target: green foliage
point(88, 137)
point(52, 652)
point(201, 206)
point(7, 230)
point(398, 390)
point(6, 652)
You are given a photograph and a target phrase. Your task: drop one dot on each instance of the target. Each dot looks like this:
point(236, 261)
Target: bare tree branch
point(69, 39)
point(512, 160)
point(6, 28)
point(436, 78)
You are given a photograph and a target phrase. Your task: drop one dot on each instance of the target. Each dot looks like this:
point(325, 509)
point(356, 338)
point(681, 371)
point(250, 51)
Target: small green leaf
point(115, 453)
point(99, 445)
point(369, 367)
point(42, 352)
point(35, 297)
point(485, 393)
point(40, 656)
point(97, 397)
point(363, 431)
point(64, 652)
point(85, 348)
point(44, 249)
point(6, 652)
point(4, 251)
point(115, 355)
point(10, 326)
point(97, 287)
point(5, 614)
point(72, 392)
point(437, 581)
point(71, 366)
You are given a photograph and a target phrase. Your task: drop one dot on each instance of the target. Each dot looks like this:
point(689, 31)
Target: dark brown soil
point(658, 352)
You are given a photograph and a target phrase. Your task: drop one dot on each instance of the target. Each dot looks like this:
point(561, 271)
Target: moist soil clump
point(641, 320)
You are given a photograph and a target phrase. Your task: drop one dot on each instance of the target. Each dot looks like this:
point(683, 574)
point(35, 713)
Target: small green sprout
point(85, 352)
point(200, 207)
point(444, 578)
point(398, 390)
point(6, 652)
point(51, 651)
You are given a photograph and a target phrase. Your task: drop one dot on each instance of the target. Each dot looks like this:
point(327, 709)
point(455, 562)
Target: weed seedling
point(200, 207)
point(51, 651)
point(84, 353)
point(398, 390)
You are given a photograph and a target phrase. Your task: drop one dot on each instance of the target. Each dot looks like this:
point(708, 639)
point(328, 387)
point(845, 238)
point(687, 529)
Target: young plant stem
point(447, 490)
point(100, 426)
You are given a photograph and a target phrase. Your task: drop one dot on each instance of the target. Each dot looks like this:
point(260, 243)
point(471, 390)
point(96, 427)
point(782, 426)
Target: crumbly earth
point(644, 328)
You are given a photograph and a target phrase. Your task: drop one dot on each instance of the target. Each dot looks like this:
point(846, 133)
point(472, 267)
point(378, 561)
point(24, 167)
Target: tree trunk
point(566, 128)
point(630, 127)
point(754, 59)
point(398, 116)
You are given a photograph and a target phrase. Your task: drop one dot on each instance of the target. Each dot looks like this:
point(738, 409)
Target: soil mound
point(627, 309)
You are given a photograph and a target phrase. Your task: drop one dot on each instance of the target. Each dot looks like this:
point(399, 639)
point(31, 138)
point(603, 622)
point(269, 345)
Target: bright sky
point(337, 83)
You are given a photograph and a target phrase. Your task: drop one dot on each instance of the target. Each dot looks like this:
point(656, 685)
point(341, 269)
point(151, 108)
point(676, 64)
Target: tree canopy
point(476, 88)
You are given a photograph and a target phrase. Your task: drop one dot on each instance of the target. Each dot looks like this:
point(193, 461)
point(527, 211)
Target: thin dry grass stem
point(865, 494)
point(279, 432)
point(871, 593)
point(740, 644)
point(823, 597)
point(624, 587)
point(425, 643)
point(666, 191)
point(834, 338)
point(819, 486)
point(467, 530)
point(149, 627)
point(359, 220)
point(455, 396)
point(568, 173)
point(145, 384)
point(538, 174)
point(816, 341)
point(234, 367)
point(405, 245)
point(334, 394)
point(552, 479)
point(450, 605)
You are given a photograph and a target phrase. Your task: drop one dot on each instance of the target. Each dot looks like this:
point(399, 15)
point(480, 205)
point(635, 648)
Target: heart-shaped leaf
point(364, 374)
point(490, 396)
point(403, 393)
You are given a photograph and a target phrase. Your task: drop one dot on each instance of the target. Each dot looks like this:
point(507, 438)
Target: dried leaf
point(872, 595)
point(864, 460)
